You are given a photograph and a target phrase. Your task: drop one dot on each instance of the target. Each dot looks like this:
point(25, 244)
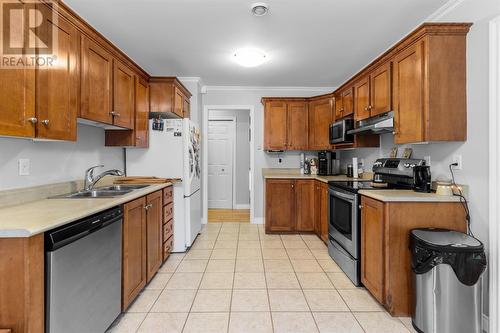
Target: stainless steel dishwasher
point(83, 274)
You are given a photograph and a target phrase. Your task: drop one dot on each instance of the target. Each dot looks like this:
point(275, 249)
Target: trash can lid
point(446, 240)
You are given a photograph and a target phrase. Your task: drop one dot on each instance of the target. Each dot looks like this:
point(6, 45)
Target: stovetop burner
point(355, 186)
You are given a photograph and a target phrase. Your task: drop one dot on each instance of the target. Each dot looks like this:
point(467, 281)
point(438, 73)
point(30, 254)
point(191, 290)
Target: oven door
point(343, 220)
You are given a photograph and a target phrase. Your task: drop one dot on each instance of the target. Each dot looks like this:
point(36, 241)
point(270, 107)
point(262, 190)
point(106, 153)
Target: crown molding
point(196, 79)
point(268, 88)
point(443, 10)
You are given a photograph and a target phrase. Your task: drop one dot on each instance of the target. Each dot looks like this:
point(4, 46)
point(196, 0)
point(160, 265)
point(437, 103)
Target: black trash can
point(447, 267)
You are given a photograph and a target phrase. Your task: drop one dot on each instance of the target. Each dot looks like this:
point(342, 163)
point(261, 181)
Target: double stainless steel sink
point(101, 192)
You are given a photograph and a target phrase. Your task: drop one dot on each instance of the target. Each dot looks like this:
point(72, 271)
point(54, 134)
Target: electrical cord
point(463, 200)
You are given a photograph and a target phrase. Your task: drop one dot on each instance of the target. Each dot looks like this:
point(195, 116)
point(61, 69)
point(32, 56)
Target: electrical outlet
point(457, 159)
point(427, 160)
point(24, 167)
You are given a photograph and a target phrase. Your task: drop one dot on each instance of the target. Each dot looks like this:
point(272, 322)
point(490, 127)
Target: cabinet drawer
point(168, 229)
point(168, 212)
point(167, 248)
point(168, 195)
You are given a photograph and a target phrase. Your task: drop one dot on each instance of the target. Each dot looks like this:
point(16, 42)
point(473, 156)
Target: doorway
point(228, 160)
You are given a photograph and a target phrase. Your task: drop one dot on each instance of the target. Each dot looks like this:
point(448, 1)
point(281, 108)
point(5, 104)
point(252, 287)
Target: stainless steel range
point(344, 219)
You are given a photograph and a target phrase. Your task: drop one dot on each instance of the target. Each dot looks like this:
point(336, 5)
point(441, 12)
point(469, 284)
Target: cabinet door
point(320, 118)
point(304, 204)
point(57, 87)
point(275, 125)
point(317, 207)
point(134, 250)
point(154, 233)
point(141, 113)
point(347, 102)
point(381, 90)
point(178, 102)
point(298, 126)
point(362, 99)
point(123, 95)
point(372, 246)
point(338, 106)
point(280, 205)
point(409, 94)
point(186, 108)
point(324, 212)
point(96, 75)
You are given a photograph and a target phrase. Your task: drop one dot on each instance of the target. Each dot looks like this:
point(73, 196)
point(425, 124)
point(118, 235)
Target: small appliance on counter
point(328, 164)
point(422, 178)
point(396, 172)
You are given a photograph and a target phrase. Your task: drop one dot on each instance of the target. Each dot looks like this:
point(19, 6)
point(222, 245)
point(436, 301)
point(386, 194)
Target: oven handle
point(342, 195)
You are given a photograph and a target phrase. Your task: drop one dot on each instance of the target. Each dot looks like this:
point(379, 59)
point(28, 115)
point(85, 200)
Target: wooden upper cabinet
point(275, 125)
point(57, 87)
point(298, 126)
point(409, 94)
point(304, 205)
point(96, 82)
point(168, 95)
point(347, 102)
point(320, 118)
point(362, 98)
point(154, 232)
point(17, 97)
point(372, 247)
point(337, 100)
point(123, 95)
point(141, 113)
point(134, 250)
point(280, 205)
point(381, 90)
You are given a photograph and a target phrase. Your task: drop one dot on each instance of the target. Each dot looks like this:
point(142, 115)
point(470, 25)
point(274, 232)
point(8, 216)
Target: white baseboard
point(242, 206)
point(258, 220)
point(204, 220)
point(485, 323)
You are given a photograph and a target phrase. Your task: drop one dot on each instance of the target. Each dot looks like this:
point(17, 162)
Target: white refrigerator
point(174, 152)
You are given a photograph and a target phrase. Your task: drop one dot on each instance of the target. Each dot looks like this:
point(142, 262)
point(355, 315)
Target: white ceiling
point(309, 43)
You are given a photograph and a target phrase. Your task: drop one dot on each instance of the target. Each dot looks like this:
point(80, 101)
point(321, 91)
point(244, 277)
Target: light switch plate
point(24, 167)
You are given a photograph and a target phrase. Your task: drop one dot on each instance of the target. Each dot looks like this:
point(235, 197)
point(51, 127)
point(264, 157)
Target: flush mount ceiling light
point(249, 57)
point(260, 9)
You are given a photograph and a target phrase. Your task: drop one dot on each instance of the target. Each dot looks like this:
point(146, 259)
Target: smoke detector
point(260, 9)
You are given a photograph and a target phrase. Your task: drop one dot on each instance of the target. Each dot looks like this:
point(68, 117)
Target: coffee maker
point(327, 163)
point(422, 178)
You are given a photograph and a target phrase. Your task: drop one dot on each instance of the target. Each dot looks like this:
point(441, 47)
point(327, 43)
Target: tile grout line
point(265, 279)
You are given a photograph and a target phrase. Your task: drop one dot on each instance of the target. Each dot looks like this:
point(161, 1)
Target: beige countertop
point(407, 196)
point(31, 218)
point(295, 174)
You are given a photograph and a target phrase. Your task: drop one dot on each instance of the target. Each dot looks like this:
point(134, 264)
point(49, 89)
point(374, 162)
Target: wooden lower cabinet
point(22, 284)
point(168, 221)
point(154, 233)
point(280, 205)
point(385, 255)
point(297, 206)
point(134, 250)
point(142, 244)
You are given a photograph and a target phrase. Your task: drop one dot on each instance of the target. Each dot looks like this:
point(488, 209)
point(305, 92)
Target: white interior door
point(221, 140)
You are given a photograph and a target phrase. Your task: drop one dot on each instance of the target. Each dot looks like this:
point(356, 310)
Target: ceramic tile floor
point(237, 279)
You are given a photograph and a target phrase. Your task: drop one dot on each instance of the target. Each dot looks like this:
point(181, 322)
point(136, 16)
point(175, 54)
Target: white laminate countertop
point(32, 218)
point(407, 196)
point(295, 174)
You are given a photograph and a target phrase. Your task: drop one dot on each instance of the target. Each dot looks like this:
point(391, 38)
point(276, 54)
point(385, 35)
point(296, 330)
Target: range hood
point(383, 123)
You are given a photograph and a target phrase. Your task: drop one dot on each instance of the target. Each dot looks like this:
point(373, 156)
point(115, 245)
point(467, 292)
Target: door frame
point(494, 170)
point(206, 111)
point(233, 171)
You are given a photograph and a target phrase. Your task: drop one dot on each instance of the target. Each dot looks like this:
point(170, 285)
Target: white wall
point(242, 152)
point(252, 96)
point(53, 162)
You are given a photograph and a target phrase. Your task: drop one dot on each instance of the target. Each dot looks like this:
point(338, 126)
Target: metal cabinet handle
point(33, 120)
point(370, 107)
point(148, 206)
point(114, 114)
point(45, 122)
point(366, 108)
point(361, 206)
